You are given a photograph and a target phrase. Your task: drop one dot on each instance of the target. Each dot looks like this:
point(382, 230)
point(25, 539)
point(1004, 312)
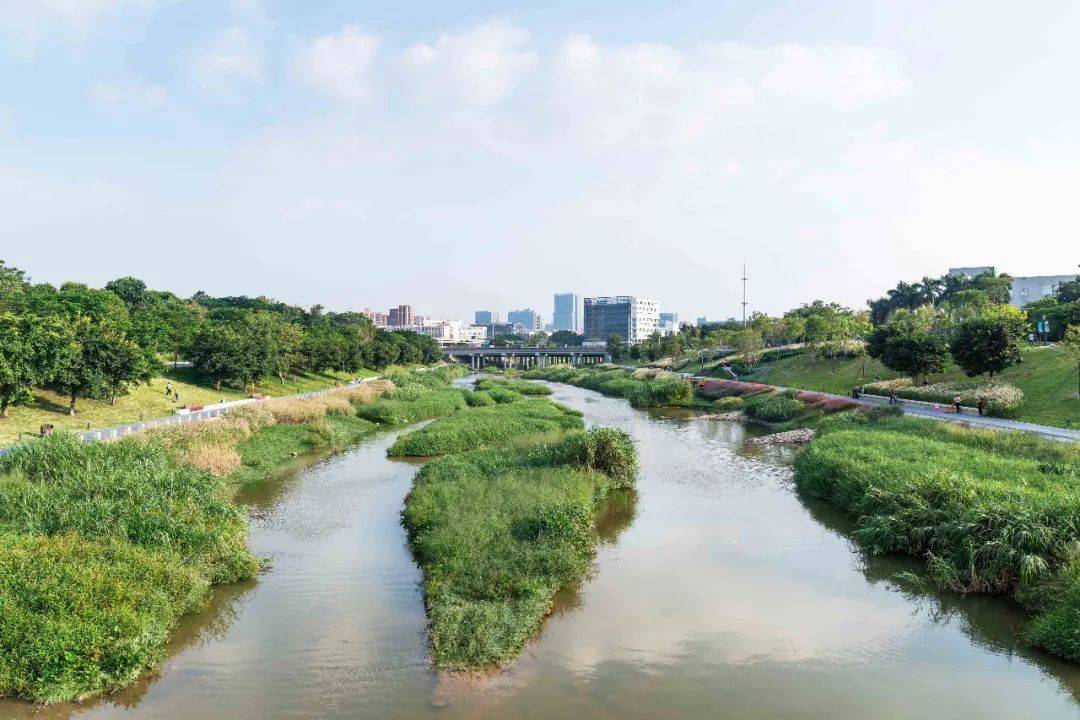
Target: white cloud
point(342, 65)
point(128, 92)
point(230, 58)
point(24, 24)
point(478, 67)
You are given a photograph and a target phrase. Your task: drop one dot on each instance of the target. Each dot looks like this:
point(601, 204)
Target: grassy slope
point(146, 401)
point(1047, 378)
point(990, 511)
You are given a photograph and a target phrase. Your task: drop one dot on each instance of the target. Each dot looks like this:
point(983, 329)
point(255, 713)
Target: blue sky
point(479, 154)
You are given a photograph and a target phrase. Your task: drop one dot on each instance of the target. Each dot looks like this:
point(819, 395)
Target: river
point(718, 593)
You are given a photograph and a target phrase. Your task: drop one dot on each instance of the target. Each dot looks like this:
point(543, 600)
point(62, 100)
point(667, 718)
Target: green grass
point(261, 453)
point(522, 387)
point(105, 546)
point(487, 426)
point(419, 396)
point(146, 402)
point(990, 511)
point(80, 617)
point(1047, 378)
point(499, 531)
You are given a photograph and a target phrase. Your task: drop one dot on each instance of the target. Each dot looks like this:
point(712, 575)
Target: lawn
point(146, 402)
point(1047, 378)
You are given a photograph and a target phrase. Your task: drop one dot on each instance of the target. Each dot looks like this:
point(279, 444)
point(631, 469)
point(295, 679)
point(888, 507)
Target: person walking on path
point(956, 403)
point(981, 405)
point(168, 389)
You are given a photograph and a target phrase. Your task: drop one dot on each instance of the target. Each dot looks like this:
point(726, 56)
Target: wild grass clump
point(662, 391)
point(523, 387)
point(503, 396)
point(83, 617)
point(729, 403)
point(406, 406)
point(990, 511)
point(774, 409)
point(498, 532)
point(609, 451)
point(474, 398)
point(487, 426)
point(568, 374)
point(127, 489)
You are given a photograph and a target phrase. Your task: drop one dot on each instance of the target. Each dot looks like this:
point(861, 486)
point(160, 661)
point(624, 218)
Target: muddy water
point(716, 593)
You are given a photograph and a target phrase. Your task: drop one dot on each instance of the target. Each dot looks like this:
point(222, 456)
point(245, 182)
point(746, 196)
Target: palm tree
point(930, 290)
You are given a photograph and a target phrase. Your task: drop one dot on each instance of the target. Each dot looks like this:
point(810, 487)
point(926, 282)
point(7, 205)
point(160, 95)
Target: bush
point(606, 450)
point(775, 409)
point(477, 399)
point(880, 412)
point(732, 402)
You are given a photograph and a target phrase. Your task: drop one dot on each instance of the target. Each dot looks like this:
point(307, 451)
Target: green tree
point(566, 338)
point(906, 345)
point(129, 289)
point(219, 352)
point(990, 341)
point(749, 345)
point(13, 281)
point(1071, 344)
point(615, 347)
point(104, 364)
point(31, 350)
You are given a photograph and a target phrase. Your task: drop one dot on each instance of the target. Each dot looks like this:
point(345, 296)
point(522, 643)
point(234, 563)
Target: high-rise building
point(631, 318)
point(401, 316)
point(565, 315)
point(526, 317)
point(702, 320)
point(486, 317)
point(669, 323)
point(378, 319)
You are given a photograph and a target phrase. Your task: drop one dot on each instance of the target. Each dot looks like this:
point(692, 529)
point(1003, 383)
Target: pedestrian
point(177, 396)
point(168, 388)
point(855, 393)
point(981, 405)
point(892, 397)
point(956, 403)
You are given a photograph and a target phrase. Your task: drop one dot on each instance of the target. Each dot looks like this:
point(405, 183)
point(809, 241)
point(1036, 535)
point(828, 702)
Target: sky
point(481, 155)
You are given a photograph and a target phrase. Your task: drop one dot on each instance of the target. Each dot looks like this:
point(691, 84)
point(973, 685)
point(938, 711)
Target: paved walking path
point(927, 410)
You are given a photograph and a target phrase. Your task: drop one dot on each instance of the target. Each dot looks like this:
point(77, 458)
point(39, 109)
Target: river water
point(717, 593)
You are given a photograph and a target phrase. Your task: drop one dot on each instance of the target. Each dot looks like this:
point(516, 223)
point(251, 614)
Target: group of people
point(856, 393)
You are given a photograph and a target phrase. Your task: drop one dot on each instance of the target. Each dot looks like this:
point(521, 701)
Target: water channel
point(718, 593)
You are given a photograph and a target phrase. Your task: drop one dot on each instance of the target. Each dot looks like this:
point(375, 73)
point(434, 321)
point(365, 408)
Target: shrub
point(879, 412)
point(732, 402)
point(775, 409)
point(477, 399)
point(606, 450)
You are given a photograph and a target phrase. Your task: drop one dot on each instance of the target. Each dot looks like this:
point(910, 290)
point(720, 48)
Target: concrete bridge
point(526, 357)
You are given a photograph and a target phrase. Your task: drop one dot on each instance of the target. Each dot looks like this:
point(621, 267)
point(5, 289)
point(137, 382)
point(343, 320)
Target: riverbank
point(989, 512)
point(107, 545)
